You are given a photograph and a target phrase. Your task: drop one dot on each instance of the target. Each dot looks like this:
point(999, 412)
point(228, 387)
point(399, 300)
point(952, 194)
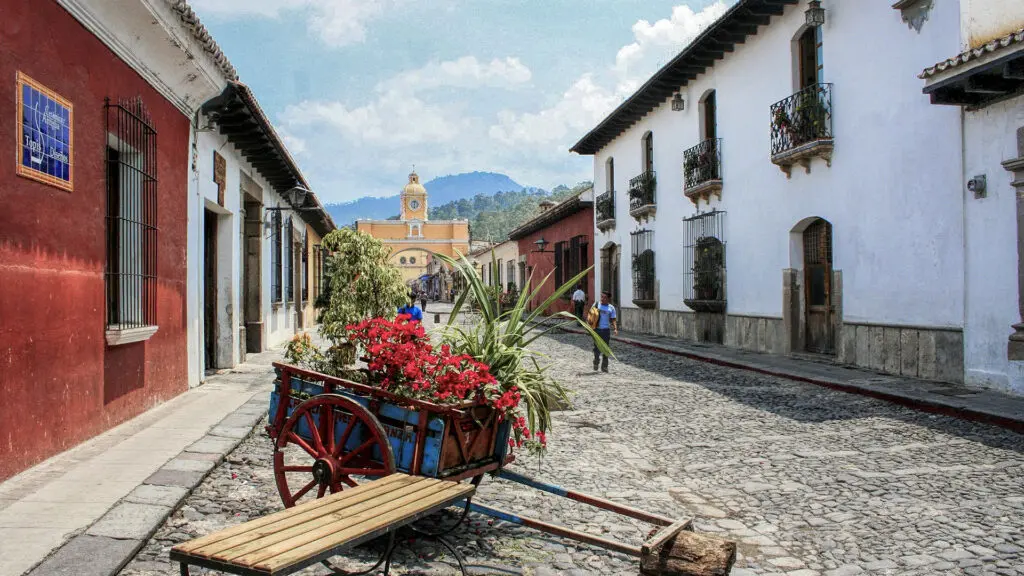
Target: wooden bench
point(290, 540)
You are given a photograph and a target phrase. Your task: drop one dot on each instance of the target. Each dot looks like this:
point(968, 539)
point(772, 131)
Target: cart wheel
point(326, 441)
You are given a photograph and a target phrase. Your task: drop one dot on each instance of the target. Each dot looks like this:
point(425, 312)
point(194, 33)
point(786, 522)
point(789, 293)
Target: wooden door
point(818, 287)
point(210, 289)
point(710, 120)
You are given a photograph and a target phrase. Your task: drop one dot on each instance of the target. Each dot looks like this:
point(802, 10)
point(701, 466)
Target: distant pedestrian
point(452, 292)
point(423, 300)
point(579, 300)
point(607, 321)
point(415, 314)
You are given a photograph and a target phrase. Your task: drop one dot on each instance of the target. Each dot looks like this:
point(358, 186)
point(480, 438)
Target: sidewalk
point(955, 400)
point(98, 502)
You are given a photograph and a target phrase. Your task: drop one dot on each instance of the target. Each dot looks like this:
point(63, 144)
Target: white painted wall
point(989, 138)
point(893, 192)
point(982, 21)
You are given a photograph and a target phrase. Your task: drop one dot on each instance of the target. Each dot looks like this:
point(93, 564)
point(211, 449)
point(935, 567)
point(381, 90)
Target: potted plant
point(502, 339)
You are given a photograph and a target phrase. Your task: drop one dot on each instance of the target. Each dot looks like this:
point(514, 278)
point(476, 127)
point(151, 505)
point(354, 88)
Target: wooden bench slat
point(281, 530)
point(332, 502)
point(285, 539)
point(333, 536)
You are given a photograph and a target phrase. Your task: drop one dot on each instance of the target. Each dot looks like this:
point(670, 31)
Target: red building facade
point(567, 234)
point(81, 290)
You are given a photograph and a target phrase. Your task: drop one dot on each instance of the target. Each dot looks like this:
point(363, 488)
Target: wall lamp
point(678, 104)
point(815, 14)
point(541, 243)
point(295, 197)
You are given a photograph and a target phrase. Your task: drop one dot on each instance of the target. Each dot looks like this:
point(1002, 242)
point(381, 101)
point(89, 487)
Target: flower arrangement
point(402, 360)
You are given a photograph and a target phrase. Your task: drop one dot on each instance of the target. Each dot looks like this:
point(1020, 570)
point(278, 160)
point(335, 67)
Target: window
point(318, 270)
point(609, 175)
point(275, 258)
point(131, 266)
point(704, 262)
point(289, 262)
point(305, 267)
point(522, 273)
point(810, 57)
point(412, 260)
point(510, 275)
point(403, 260)
point(497, 275)
point(643, 268)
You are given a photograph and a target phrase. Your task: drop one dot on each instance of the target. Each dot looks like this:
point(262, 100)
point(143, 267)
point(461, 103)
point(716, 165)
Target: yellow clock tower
point(414, 199)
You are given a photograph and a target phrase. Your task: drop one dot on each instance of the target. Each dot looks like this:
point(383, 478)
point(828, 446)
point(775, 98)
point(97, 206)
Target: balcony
point(702, 171)
point(605, 205)
point(641, 195)
point(802, 128)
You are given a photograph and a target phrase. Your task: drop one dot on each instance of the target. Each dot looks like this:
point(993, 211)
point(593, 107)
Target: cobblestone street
point(808, 481)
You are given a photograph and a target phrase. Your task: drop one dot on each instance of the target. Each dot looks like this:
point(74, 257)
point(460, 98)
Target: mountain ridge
point(441, 190)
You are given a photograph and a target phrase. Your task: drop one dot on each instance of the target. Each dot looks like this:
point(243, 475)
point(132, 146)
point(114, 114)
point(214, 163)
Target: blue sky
point(363, 89)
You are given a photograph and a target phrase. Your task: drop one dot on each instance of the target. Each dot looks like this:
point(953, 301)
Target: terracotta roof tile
point(974, 53)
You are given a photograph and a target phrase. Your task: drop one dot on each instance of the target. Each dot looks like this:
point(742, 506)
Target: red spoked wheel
point(328, 440)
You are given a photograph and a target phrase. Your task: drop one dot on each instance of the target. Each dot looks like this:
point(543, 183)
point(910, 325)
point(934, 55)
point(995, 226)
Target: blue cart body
point(399, 423)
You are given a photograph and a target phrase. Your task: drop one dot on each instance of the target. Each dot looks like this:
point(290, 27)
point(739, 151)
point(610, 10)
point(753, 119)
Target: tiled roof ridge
point(191, 20)
point(966, 56)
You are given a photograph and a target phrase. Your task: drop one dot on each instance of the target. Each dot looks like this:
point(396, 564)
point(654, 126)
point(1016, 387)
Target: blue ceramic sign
point(45, 122)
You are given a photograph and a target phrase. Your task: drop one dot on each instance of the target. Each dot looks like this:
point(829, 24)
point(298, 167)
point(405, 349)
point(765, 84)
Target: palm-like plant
point(502, 340)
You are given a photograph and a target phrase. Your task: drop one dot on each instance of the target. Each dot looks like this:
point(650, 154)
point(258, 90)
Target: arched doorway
point(817, 275)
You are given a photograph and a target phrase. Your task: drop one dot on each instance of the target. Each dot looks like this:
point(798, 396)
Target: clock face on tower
point(414, 204)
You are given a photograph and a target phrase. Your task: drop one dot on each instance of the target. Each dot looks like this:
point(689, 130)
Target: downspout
point(966, 251)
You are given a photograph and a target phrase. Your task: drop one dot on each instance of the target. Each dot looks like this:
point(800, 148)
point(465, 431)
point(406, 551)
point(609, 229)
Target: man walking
point(423, 300)
point(606, 323)
point(579, 299)
point(414, 313)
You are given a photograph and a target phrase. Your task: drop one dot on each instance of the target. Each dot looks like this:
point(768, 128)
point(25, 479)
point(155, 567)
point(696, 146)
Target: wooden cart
point(331, 434)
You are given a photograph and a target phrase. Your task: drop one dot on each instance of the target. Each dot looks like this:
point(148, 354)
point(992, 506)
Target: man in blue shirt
point(607, 322)
point(412, 310)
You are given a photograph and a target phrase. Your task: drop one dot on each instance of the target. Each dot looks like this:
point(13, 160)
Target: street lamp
point(815, 14)
point(678, 104)
point(541, 243)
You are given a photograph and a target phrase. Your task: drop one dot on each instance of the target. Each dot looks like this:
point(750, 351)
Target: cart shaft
point(586, 499)
point(555, 529)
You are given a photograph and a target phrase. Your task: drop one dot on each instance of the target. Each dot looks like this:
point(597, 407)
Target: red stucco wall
point(580, 223)
point(60, 382)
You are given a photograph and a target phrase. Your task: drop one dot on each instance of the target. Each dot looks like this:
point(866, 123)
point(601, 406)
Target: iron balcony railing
point(802, 118)
point(702, 163)
point(606, 206)
point(641, 190)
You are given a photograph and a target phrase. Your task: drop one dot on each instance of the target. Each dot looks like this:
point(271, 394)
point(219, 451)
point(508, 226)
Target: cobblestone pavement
point(808, 481)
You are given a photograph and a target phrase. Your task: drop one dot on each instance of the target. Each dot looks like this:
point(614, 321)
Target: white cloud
point(335, 22)
point(464, 72)
point(664, 38)
point(586, 102)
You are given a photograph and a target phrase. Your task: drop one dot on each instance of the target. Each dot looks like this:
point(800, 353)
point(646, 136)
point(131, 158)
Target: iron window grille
point(643, 267)
point(702, 163)
point(642, 189)
point(510, 273)
point(289, 261)
point(275, 258)
point(606, 206)
point(131, 266)
point(802, 118)
point(704, 261)
point(305, 267)
point(577, 259)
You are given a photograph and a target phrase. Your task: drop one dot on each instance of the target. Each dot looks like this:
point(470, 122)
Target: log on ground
point(691, 554)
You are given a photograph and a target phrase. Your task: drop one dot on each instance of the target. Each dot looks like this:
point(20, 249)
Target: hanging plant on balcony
point(781, 119)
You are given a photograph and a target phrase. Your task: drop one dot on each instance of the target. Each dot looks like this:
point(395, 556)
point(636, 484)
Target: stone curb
point(936, 405)
point(106, 546)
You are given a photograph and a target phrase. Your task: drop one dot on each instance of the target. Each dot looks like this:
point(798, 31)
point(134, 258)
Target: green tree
point(360, 283)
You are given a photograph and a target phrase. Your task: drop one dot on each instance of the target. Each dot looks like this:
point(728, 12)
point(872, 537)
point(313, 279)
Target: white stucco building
point(784, 185)
point(986, 79)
